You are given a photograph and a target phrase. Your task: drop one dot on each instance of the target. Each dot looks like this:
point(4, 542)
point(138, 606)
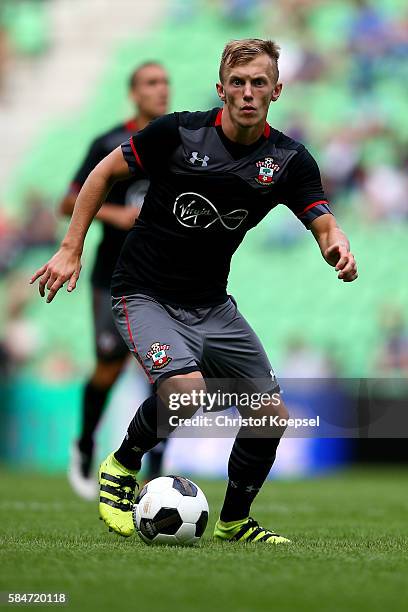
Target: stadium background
point(63, 73)
point(64, 65)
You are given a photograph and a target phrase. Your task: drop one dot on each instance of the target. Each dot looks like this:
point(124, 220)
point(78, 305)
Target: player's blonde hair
point(238, 52)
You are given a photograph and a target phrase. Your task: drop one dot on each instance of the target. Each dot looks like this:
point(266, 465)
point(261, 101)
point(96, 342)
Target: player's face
point(151, 91)
point(248, 90)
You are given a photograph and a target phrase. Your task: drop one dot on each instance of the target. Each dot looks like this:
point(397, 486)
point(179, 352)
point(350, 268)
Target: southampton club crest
point(157, 353)
point(266, 168)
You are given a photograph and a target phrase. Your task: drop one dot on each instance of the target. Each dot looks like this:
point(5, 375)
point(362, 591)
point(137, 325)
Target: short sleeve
point(305, 195)
point(150, 148)
point(95, 154)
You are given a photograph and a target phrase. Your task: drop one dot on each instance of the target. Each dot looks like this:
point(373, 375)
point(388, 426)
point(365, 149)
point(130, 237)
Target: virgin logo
point(194, 210)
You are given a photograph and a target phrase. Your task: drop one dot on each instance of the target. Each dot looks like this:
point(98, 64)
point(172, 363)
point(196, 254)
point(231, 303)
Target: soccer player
point(214, 175)
point(149, 93)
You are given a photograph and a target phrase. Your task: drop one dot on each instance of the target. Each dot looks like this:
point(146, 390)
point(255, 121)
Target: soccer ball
point(170, 510)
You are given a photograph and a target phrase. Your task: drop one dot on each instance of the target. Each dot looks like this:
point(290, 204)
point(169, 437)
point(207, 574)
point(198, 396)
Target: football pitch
point(349, 550)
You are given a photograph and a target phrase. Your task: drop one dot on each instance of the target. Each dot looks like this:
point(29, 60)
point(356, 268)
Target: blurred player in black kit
point(149, 93)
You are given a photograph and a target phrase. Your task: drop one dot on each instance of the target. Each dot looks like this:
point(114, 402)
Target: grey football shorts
point(217, 341)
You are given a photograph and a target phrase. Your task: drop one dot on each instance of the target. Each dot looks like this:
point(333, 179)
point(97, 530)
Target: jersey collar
point(266, 132)
point(131, 126)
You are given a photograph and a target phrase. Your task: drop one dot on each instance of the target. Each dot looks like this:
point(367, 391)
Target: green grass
point(349, 550)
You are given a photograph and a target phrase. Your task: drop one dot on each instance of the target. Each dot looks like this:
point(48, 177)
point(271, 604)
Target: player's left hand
point(338, 256)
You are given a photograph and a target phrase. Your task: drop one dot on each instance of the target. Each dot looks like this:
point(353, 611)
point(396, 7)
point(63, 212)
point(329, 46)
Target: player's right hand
point(64, 266)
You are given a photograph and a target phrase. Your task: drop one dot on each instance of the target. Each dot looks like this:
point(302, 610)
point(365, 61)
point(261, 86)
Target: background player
point(149, 93)
point(214, 175)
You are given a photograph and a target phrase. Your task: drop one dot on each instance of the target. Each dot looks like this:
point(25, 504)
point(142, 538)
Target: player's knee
point(282, 411)
point(182, 392)
point(275, 407)
point(279, 412)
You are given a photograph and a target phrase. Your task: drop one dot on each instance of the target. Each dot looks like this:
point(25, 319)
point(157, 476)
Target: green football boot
point(246, 530)
point(117, 496)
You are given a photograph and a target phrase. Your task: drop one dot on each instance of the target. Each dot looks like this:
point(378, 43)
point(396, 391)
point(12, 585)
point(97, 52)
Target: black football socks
point(141, 435)
point(93, 404)
point(249, 465)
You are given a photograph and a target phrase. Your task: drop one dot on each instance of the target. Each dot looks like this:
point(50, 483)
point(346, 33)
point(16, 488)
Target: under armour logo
point(194, 157)
point(246, 488)
point(251, 489)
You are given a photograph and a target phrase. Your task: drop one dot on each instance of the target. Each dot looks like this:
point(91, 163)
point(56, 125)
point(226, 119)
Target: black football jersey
point(205, 193)
point(126, 193)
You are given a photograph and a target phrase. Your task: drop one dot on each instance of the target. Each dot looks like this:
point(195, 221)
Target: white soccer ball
point(170, 510)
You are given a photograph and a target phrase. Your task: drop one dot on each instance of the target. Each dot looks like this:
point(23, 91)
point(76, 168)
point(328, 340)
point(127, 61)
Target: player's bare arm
point(121, 217)
point(335, 247)
point(65, 265)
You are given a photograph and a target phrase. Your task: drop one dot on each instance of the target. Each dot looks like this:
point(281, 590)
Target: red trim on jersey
point(218, 118)
point(138, 357)
point(131, 126)
point(132, 144)
point(312, 206)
